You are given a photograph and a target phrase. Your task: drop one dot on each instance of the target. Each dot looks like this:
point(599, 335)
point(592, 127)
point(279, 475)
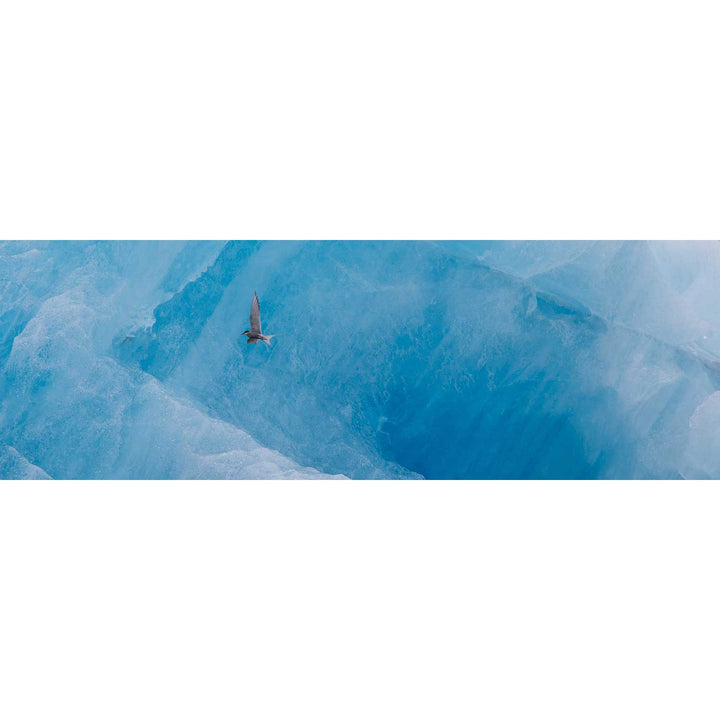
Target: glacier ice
point(14, 466)
point(400, 359)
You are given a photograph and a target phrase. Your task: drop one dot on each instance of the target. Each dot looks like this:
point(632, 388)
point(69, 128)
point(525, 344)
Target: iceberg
point(394, 359)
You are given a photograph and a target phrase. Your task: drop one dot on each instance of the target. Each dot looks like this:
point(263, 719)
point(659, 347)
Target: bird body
point(255, 332)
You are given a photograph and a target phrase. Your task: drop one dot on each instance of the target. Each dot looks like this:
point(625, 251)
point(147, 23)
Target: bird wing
point(255, 316)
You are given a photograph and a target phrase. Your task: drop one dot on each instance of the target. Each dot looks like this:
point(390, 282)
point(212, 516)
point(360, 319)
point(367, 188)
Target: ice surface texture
point(391, 360)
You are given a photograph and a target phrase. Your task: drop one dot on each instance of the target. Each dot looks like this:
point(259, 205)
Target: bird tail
point(266, 339)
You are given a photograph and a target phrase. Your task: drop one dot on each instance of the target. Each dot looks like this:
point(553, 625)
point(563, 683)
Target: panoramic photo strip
point(359, 360)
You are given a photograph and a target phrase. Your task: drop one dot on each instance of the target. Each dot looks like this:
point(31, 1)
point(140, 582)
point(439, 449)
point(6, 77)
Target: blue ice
point(391, 360)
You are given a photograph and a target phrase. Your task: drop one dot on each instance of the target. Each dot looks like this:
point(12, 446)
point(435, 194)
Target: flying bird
point(255, 332)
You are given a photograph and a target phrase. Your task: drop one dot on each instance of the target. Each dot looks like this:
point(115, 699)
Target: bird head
point(247, 332)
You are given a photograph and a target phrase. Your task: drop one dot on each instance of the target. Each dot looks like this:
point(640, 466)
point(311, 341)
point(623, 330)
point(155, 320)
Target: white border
point(356, 600)
point(383, 119)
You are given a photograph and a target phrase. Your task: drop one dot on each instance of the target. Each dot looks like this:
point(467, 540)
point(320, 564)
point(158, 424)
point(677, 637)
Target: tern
point(255, 332)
